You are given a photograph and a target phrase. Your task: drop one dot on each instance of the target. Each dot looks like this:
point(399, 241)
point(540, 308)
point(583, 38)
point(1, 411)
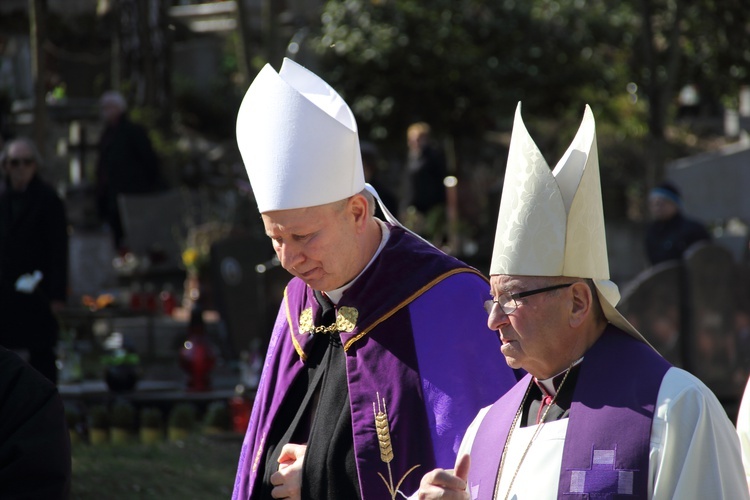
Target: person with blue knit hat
point(670, 232)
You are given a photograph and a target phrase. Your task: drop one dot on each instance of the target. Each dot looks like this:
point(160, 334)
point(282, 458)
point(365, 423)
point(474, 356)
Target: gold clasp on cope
point(346, 321)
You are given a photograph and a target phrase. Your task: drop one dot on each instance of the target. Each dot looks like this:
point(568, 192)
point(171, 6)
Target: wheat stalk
point(384, 442)
point(382, 428)
point(383, 431)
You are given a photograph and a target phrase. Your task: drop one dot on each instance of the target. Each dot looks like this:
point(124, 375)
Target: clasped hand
point(287, 481)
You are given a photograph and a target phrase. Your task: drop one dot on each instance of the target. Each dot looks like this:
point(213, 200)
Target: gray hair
point(339, 205)
point(371, 203)
point(28, 143)
point(116, 98)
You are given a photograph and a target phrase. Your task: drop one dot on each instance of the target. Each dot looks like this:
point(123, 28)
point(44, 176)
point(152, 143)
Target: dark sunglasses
point(17, 162)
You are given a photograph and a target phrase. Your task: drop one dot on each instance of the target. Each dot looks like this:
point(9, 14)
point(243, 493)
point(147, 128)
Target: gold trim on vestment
point(297, 347)
point(408, 300)
point(306, 321)
point(348, 324)
point(383, 432)
point(346, 321)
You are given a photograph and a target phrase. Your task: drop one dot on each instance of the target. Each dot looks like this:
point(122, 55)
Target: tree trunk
point(659, 73)
point(270, 18)
point(38, 33)
point(243, 43)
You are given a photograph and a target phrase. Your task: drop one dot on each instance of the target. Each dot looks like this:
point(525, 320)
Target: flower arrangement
point(196, 251)
point(120, 357)
point(121, 371)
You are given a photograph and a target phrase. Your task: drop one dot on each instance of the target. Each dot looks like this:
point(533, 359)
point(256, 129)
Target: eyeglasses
point(17, 162)
point(507, 301)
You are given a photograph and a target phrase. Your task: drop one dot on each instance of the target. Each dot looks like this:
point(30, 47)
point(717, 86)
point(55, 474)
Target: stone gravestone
point(90, 257)
point(151, 223)
point(714, 283)
point(651, 303)
point(246, 299)
point(696, 313)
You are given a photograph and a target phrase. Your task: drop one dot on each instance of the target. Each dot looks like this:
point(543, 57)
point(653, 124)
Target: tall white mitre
point(551, 222)
point(298, 140)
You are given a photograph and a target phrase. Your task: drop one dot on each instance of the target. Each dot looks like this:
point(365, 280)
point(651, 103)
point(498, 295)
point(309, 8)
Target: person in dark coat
point(33, 259)
point(35, 461)
point(371, 166)
point(127, 163)
point(670, 233)
point(423, 195)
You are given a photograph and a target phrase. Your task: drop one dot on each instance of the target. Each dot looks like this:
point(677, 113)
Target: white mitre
point(298, 140)
point(551, 222)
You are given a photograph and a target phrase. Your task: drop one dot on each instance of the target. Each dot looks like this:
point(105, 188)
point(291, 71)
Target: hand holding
point(287, 481)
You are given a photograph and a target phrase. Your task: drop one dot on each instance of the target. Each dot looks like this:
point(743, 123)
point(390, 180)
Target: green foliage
point(217, 416)
point(118, 357)
point(123, 415)
point(198, 467)
point(183, 416)
point(211, 113)
point(151, 418)
point(153, 120)
point(456, 64)
point(462, 65)
point(98, 417)
point(73, 417)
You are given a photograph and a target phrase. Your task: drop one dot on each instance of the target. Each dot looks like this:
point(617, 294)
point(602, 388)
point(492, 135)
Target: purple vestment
point(420, 348)
point(606, 450)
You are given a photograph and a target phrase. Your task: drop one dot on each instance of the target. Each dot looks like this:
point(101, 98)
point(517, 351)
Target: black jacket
point(128, 164)
point(35, 460)
point(33, 236)
point(668, 240)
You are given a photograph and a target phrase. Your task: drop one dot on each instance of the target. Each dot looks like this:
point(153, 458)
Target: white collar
point(548, 383)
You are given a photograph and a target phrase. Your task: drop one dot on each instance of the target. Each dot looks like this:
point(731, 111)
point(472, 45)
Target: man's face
point(110, 111)
point(416, 140)
point(661, 208)
point(316, 244)
point(534, 336)
point(20, 165)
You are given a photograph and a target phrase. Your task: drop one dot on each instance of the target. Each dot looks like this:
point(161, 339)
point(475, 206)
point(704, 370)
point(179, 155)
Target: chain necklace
point(533, 437)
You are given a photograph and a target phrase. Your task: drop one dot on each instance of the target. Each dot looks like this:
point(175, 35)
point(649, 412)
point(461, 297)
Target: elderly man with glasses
point(33, 258)
point(600, 414)
point(34, 441)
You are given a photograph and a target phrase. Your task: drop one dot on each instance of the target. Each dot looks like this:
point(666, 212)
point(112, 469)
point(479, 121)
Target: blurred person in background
point(423, 191)
point(33, 258)
point(127, 163)
point(371, 165)
point(670, 232)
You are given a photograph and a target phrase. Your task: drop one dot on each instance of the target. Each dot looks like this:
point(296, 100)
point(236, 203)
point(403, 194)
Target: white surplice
point(695, 452)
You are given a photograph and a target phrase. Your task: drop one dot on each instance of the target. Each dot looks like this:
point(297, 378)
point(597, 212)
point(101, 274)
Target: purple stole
point(607, 444)
point(382, 364)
